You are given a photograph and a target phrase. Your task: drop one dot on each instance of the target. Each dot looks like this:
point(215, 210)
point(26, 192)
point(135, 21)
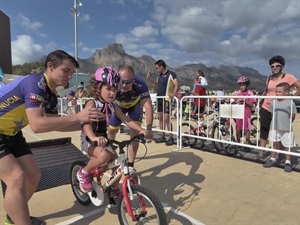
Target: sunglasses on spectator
point(130, 81)
point(273, 66)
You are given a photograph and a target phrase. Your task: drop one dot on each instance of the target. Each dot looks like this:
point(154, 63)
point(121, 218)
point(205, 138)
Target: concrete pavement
point(196, 187)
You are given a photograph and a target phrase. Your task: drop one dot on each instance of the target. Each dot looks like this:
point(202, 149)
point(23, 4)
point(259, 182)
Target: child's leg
point(287, 156)
point(100, 156)
point(276, 145)
point(247, 132)
point(238, 135)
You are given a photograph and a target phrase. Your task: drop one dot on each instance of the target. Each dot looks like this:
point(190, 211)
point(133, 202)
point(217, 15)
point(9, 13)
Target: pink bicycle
point(136, 204)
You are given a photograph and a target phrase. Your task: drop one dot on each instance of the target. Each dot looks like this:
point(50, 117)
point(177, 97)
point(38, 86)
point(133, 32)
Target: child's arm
point(293, 117)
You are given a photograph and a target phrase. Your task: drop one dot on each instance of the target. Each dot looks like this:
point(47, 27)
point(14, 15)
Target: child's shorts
point(287, 138)
point(239, 124)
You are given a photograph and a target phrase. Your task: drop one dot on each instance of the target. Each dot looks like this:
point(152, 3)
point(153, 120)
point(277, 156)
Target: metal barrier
point(228, 110)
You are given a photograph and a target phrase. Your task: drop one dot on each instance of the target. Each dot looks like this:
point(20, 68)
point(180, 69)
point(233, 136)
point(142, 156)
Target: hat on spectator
point(80, 86)
point(72, 93)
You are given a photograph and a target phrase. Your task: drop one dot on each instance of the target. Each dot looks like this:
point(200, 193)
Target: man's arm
point(153, 83)
point(39, 123)
point(147, 104)
point(175, 88)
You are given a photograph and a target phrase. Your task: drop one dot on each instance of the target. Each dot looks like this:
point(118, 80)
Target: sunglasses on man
point(130, 81)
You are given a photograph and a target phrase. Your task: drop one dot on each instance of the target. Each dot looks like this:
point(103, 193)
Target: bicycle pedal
point(112, 201)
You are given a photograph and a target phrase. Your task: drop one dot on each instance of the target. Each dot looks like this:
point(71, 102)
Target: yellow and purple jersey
point(131, 98)
point(31, 91)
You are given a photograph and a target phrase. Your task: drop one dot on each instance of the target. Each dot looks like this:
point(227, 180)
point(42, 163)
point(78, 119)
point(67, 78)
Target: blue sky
point(212, 32)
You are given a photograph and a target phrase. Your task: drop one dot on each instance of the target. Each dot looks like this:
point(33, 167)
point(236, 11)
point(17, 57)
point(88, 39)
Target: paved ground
point(196, 186)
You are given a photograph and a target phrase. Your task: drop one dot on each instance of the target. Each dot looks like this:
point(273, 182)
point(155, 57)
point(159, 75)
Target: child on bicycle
point(244, 123)
point(104, 85)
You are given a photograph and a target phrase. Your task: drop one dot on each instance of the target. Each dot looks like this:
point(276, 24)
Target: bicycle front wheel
point(224, 135)
point(145, 206)
point(189, 130)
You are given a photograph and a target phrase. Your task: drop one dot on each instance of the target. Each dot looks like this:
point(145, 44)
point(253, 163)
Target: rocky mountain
point(222, 77)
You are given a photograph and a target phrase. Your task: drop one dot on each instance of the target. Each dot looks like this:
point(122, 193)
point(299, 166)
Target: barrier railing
point(228, 110)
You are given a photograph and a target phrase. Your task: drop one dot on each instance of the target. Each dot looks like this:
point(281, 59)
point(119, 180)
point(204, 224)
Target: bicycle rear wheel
point(145, 206)
point(188, 129)
point(81, 197)
point(255, 127)
point(223, 134)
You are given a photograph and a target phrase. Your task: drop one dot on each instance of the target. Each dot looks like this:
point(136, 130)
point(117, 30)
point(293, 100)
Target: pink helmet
point(108, 75)
point(243, 79)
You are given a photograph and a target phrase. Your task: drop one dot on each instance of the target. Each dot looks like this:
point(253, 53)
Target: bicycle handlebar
point(122, 144)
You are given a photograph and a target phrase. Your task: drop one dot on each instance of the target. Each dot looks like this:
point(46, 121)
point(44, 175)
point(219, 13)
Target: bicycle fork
point(128, 195)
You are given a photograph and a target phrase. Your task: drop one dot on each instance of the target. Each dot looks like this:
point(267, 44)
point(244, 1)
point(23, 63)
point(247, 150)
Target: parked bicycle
point(198, 130)
point(136, 204)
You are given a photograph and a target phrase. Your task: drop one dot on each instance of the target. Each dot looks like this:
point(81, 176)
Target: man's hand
point(148, 135)
point(149, 75)
point(90, 114)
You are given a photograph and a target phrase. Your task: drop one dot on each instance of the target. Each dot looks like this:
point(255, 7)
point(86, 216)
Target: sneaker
point(287, 167)
point(170, 141)
point(115, 192)
point(85, 181)
point(161, 139)
point(269, 163)
point(131, 170)
point(34, 221)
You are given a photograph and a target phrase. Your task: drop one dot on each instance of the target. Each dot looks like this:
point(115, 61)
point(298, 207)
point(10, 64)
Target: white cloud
point(25, 50)
point(84, 17)
point(30, 26)
point(229, 31)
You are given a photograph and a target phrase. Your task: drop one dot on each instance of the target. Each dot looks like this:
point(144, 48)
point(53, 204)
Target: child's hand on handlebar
point(102, 141)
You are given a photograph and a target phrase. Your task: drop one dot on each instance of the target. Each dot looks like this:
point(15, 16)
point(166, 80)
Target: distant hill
point(222, 77)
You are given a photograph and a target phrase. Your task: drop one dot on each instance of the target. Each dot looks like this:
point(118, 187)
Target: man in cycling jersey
point(32, 100)
point(166, 85)
point(132, 98)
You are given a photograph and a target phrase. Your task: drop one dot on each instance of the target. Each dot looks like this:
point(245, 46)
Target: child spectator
point(202, 80)
point(104, 86)
point(281, 133)
point(244, 124)
point(199, 103)
point(72, 103)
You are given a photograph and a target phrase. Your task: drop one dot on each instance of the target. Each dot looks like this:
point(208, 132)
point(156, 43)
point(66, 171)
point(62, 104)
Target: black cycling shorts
point(163, 106)
point(265, 122)
point(15, 145)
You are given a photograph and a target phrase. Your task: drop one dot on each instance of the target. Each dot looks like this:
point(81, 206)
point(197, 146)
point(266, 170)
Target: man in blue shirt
point(167, 86)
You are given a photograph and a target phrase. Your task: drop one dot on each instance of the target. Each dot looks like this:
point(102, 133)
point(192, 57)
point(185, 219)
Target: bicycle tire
point(254, 131)
point(228, 149)
point(81, 197)
point(188, 129)
point(143, 197)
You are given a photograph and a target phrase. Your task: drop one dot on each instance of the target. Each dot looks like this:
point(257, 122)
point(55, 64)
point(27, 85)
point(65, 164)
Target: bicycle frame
point(122, 169)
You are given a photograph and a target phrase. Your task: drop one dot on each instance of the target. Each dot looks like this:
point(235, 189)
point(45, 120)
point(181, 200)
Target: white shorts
point(287, 138)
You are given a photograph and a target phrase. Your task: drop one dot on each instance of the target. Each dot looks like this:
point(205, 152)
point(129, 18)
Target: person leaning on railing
point(277, 64)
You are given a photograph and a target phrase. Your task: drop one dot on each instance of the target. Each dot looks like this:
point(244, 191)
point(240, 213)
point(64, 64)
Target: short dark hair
point(57, 57)
point(127, 67)
point(285, 85)
point(161, 63)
